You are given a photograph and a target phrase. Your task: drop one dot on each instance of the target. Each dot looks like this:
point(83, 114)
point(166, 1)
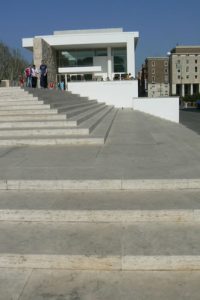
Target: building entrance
point(61, 81)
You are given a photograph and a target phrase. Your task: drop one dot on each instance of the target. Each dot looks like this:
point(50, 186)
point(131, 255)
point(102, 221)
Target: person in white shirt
point(34, 75)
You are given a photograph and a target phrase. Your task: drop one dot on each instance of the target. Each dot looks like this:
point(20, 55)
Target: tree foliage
point(191, 98)
point(12, 64)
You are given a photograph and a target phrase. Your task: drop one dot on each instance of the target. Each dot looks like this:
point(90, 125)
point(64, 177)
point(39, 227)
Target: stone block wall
point(43, 51)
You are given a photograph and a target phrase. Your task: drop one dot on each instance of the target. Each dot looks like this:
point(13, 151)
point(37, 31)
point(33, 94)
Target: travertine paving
point(113, 221)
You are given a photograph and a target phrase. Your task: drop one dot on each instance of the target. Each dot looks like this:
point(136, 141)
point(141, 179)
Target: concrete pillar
point(43, 51)
point(191, 89)
point(131, 57)
point(173, 89)
point(182, 90)
point(109, 63)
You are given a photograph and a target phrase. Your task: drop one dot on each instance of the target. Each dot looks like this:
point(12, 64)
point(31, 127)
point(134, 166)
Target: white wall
point(118, 93)
point(124, 94)
point(101, 61)
point(166, 108)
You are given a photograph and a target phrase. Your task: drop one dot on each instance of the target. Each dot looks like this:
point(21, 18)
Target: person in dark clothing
point(43, 75)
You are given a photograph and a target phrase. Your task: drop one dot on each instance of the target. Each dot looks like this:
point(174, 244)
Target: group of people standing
point(32, 73)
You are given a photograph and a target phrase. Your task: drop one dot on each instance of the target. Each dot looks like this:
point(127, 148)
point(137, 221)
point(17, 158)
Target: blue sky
point(161, 24)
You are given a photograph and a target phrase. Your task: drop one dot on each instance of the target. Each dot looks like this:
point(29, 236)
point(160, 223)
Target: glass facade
point(84, 58)
point(78, 58)
point(119, 60)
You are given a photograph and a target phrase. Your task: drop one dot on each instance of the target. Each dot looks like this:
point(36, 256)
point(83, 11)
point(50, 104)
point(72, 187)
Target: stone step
point(58, 98)
point(104, 123)
point(53, 230)
point(32, 132)
point(50, 95)
point(19, 107)
point(94, 121)
point(17, 95)
point(82, 115)
point(104, 285)
point(100, 216)
point(102, 184)
point(71, 112)
point(100, 206)
point(37, 124)
point(31, 117)
point(10, 88)
point(20, 102)
point(98, 138)
point(13, 92)
point(28, 111)
point(70, 104)
point(17, 99)
point(18, 196)
point(52, 141)
point(107, 246)
point(91, 118)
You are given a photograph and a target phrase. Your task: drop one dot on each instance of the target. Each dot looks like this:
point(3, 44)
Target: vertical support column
point(43, 51)
point(66, 83)
point(109, 63)
point(37, 51)
point(182, 90)
point(191, 89)
point(131, 57)
point(174, 89)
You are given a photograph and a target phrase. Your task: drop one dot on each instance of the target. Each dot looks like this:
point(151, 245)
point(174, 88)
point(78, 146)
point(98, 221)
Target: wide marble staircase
point(102, 244)
point(51, 117)
point(96, 238)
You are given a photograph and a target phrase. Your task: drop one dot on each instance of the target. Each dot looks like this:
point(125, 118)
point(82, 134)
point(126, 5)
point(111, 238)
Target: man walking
point(43, 75)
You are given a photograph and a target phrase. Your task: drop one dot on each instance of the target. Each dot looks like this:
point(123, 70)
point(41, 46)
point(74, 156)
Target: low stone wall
point(5, 83)
point(166, 107)
point(117, 93)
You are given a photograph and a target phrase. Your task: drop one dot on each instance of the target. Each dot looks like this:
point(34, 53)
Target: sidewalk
point(139, 146)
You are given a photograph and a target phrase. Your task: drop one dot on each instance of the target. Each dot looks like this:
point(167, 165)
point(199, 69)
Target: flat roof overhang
point(84, 40)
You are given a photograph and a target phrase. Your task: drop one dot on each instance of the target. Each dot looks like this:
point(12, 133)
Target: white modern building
point(92, 63)
point(95, 63)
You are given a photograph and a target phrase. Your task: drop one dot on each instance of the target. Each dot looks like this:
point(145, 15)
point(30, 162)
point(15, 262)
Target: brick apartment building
point(154, 77)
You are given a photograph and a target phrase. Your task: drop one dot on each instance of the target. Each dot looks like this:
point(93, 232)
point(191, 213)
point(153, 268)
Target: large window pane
point(75, 58)
point(120, 60)
point(100, 52)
